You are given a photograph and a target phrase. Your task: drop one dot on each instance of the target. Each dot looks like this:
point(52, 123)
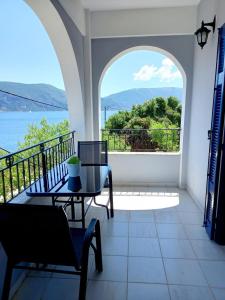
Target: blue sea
point(14, 125)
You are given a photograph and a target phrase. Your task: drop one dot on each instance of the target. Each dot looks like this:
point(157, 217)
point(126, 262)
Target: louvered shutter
point(214, 164)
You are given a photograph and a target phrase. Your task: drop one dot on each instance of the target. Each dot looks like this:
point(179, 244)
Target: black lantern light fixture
point(203, 32)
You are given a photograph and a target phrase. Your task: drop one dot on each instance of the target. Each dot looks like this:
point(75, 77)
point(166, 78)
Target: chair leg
point(83, 282)
point(98, 253)
point(7, 281)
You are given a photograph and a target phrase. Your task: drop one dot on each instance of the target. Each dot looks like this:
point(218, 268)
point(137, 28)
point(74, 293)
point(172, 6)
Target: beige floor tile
point(145, 291)
point(183, 271)
point(196, 232)
point(112, 228)
point(173, 248)
point(180, 292)
point(191, 218)
point(219, 294)
point(114, 269)
point(32, 288)
point(148, 247)
point(115, 246)
point(142, 216)
point(214, 272)
point(206, 249)
point(59, 288)
point(146, 270)
point(174, 231)
point(167, 217)
point(106, 290)
point(142, 230)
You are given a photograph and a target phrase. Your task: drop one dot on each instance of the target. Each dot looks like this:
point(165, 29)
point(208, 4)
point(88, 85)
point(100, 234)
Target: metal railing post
point(44, 166)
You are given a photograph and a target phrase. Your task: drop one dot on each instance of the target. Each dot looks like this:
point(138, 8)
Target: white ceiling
point(132, 4)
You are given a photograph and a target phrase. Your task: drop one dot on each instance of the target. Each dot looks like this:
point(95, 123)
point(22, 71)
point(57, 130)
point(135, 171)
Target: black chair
point(35, 236)
point(95, 153)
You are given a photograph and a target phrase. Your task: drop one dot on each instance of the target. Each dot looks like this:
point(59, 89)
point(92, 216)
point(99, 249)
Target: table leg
point(72, 209)
point(82, 212)
point(111, 194)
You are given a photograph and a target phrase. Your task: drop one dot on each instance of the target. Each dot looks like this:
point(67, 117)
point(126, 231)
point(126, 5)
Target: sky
point(27, 56)
point(140, 69)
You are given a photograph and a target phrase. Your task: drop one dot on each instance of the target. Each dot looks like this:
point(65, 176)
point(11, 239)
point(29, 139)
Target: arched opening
point(61, 42)
point(168, 136)
point(31, 82)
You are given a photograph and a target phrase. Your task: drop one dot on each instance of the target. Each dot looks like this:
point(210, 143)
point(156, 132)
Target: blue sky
point(27, 56)
point(140, 69)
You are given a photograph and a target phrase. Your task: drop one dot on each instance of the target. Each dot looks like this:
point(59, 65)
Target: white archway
point(58, 35)
point(184, 77)
point(150, 48)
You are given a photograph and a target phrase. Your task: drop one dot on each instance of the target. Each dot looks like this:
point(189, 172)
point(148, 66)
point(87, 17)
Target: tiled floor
point(153, 249)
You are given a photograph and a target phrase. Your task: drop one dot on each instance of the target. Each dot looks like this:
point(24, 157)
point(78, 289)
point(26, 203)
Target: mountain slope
point(42, 92)
point(126, 99)
point(51, 95)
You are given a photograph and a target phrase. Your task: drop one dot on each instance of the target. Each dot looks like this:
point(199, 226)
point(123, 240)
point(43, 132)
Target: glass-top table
point(73, 190)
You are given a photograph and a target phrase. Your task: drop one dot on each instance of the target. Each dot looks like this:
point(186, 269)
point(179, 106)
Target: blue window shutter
point(217, 124)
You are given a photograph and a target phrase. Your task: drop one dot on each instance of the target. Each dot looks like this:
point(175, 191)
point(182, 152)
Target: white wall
point(143, 22)
point(145, 168)
point(76, 11)
point(202, 99)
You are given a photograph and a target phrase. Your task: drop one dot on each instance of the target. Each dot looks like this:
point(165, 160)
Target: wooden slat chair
point(39, 235)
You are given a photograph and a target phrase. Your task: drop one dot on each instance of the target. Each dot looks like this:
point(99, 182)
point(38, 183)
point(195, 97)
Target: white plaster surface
point(143, 22)
point(202, 99)
point(145, 168)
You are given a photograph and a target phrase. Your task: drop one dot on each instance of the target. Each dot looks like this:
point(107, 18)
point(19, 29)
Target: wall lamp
point(203, 32)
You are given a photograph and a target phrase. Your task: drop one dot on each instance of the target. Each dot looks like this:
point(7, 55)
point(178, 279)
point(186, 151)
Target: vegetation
point(73, 160)
point(19, 176)
point(43, 132)
point(148, 122)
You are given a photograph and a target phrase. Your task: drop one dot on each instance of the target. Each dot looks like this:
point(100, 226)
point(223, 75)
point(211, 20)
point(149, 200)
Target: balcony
point(154, 248)
point(155, 244)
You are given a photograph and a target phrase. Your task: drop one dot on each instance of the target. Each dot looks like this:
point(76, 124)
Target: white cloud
point(145, 73)
point(166, 72)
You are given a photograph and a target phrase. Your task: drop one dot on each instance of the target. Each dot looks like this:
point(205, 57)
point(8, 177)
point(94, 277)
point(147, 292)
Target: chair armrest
point(90, 231)
point(93, 230)
point(88, 236)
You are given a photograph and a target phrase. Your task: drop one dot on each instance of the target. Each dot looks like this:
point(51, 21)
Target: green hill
point(42, 92)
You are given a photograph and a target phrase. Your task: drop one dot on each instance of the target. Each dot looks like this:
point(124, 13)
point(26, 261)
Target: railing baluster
point(18, 177)
point(3, 186)
point(151, 140)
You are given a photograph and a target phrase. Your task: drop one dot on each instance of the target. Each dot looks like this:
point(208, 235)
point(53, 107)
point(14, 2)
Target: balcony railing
point(143, 140)
point(20, 169)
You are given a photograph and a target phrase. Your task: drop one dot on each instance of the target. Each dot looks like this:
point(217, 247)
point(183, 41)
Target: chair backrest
point(36, 233)
point(93, 153)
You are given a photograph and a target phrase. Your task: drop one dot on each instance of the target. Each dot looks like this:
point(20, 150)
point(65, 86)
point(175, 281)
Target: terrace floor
point(154, 248)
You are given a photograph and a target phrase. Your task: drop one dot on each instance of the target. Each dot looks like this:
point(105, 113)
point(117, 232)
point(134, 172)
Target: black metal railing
point(143, 140)
point(43, 161)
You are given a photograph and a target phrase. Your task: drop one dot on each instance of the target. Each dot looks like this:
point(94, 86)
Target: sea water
point(14, 125)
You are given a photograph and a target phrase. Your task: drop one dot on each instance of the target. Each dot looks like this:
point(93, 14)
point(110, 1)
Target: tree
point(172, 102)
point(118, 120)
point(160, 107)
point(147, 126)
point(44, 132)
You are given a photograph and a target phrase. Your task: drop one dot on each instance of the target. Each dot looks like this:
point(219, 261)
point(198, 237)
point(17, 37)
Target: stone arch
point(59, 37)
